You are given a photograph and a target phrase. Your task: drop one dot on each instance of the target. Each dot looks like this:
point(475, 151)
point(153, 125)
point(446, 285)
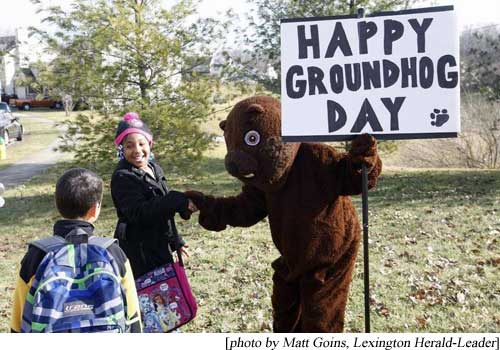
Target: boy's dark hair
point(77, 190)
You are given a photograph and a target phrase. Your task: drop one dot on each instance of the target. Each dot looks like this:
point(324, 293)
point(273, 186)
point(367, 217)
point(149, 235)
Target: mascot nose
point(240, 164)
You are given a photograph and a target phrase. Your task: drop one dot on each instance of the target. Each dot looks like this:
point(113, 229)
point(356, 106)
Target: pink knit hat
point(131, 123)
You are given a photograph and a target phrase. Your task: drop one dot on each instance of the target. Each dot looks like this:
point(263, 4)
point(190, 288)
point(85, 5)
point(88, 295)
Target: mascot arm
point(245, 209)
point(348, 167)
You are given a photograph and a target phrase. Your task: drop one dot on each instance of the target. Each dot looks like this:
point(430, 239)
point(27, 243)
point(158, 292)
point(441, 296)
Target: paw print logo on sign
point(439, 117)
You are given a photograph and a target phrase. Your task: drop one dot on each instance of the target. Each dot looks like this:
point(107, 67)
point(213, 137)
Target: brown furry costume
point(304, 189)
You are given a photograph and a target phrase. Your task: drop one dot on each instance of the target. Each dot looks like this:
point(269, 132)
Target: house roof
point(7, 42)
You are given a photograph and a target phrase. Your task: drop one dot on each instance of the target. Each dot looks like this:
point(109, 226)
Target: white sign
point(394, 75)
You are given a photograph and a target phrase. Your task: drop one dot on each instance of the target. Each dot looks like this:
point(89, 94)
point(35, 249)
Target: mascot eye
point(252, 138)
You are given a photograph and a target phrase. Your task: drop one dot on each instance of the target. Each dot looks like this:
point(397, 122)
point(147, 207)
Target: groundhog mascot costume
point(304, 189)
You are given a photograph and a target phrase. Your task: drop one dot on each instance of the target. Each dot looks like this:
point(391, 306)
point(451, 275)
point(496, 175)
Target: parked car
point(10, 127)
point(6, 108)
point(27, 103)
point(7, 97)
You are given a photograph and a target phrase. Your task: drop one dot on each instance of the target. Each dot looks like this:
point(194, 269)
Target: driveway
point(32, 165)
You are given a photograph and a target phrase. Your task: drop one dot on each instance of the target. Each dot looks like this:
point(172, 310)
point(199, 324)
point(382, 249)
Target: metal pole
point(366, 262)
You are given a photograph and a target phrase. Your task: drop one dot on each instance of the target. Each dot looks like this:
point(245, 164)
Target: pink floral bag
point(165, 298)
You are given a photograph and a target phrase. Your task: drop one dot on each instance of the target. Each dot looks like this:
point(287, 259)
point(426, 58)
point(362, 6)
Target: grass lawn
point(433, 243)
point(39, 134)
point(47, 113)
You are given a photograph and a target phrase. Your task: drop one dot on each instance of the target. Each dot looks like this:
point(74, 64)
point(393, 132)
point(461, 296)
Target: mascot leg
point(286, 300)
point(323, 298)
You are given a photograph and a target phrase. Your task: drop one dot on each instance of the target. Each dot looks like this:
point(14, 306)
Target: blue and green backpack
point(77, 288)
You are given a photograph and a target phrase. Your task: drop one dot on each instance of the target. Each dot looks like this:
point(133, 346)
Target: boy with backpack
point(74, 281)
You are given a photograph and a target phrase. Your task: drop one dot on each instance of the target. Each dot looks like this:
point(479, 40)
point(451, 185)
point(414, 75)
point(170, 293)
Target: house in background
point(14, 64)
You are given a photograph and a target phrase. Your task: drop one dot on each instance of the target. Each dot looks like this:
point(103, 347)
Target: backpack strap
point(103, 242)
point(76, 236)
point(49, 244)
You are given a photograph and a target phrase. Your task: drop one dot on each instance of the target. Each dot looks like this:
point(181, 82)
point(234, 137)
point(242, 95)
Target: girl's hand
point(197, 198)
point(183, 250)
point(192, 207)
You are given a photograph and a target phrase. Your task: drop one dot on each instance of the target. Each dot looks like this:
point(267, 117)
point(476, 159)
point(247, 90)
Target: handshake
point(191, 208)
point(197, 201)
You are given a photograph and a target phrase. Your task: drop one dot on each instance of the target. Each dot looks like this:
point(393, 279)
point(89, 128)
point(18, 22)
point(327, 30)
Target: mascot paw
point(198, 198)
point(205, 204)
point(364, 151)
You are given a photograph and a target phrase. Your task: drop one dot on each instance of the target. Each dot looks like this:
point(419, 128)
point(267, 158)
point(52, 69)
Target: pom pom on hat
point(131, 123)
point(130, 115)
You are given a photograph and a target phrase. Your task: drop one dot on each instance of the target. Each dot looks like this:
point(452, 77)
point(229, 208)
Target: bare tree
point(480, 140)
point(477, 146)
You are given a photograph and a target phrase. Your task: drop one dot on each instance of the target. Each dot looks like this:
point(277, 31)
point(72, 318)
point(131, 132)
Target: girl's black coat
point(146, 229)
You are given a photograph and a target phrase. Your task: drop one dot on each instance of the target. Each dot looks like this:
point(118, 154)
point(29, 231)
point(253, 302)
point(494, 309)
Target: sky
point(21, 13)
point(471, 13)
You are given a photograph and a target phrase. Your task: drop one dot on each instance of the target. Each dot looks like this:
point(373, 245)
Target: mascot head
point(255, 153)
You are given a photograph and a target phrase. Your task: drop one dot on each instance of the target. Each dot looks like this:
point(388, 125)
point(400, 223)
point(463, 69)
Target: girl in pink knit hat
point(145, 206)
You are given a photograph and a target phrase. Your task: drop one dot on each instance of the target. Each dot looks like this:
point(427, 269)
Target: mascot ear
point(255, 108)
point(222, 124)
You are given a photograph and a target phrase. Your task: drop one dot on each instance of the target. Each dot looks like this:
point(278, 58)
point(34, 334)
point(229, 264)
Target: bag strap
point(179, 256)
point(163, 183)
point(177, 238)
